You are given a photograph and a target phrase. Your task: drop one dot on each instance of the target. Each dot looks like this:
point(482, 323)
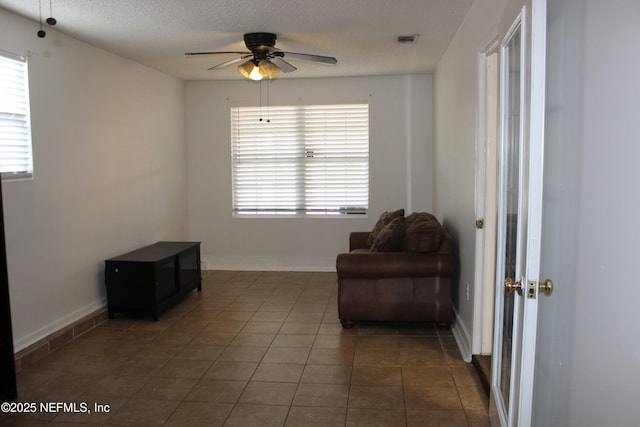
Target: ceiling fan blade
point(231, 62)
point(284, 65)
point(217, 53)
point(309, 57)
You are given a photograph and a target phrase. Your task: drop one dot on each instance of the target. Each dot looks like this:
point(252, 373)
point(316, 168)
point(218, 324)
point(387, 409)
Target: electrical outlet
point(467, 285)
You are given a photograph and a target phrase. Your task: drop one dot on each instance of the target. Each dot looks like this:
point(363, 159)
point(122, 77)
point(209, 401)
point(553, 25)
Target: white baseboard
point(268, 263)
point(23, 342)
point(462, 337)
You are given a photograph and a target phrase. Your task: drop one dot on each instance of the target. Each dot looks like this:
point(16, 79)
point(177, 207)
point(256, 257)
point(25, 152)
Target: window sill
point(8, 176)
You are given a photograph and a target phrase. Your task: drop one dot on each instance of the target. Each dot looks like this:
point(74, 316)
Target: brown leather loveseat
point(401, 271)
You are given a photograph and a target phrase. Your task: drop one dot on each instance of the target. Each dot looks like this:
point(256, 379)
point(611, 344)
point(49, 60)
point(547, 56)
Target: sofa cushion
point(361, 251)
point(385, 218)
point(390, 238)
point(423, 233)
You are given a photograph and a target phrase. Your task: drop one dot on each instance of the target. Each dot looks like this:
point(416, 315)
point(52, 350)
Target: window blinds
point(15, 127)
point(300, 160)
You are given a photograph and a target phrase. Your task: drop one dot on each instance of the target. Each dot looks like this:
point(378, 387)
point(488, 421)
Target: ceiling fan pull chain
point(41, 32)
point(51, 20)
point(268, 86)
point(260, 100)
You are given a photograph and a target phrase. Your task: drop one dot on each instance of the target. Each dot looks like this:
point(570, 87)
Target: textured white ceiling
point(361, 34)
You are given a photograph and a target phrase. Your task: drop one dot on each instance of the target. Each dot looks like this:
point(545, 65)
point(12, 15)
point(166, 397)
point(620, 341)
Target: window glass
point(300, 160)
point(15, 127)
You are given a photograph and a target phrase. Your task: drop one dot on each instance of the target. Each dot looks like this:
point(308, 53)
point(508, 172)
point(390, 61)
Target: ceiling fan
point(263, 58)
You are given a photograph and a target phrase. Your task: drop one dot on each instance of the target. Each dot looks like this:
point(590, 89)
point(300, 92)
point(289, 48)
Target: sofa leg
point(443, 326)
point(347, 324)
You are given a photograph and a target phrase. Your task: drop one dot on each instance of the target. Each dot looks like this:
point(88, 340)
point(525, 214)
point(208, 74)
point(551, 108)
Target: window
point(15, 127)
point(300, 160)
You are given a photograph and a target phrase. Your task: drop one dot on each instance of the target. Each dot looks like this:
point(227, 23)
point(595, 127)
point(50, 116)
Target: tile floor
point(256, 349)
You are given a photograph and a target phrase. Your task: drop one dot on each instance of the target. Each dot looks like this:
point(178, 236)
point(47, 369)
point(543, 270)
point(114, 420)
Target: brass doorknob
point(510, 285)
point(546, 287)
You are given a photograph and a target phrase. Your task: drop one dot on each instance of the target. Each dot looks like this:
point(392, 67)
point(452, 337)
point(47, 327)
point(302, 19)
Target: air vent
point(408, 39)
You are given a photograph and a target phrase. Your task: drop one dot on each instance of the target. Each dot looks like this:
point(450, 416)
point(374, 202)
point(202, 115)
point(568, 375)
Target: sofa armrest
point(394, 264)
point(358, 240)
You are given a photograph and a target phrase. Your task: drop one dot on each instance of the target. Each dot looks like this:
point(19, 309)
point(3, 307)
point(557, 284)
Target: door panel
point(522, 62)
point(511, 221)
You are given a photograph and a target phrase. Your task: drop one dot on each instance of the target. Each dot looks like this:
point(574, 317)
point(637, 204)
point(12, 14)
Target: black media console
point(149, 280)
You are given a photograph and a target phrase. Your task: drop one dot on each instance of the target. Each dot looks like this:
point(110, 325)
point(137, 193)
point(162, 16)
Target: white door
point(522, 85)
point(486, 188)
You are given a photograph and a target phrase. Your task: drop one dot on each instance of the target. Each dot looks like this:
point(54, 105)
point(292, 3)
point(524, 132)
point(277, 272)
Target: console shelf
point(149, 280)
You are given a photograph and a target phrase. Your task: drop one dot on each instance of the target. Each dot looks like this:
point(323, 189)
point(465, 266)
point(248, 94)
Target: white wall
point(110, 175)
point(400, 168)
point(456, 104)
point(587, 370)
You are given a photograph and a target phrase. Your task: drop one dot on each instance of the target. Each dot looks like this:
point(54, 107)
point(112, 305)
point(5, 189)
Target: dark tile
point(223, 370)
point(326, 374)
point(427, 376)
point(299, 328)
point(300, 416)
point(200, 352)
point(435, 418)
point(377, 375)
point(160, 388)
point(243, 354)
point(432, 398)
point(376, 357)
point(181, 368)
point(219, 391)
point(278, 372)
point(293, 341)
point(376, 397)
point(268, 393)
point(328, 395)
point(478, 419)
point(252, 339)
point(365, 417)
point(259, 327)
point(473, 398)
point(119, 385)
point(286, 355)
point(250, 415)
point(333, 356)
point(143, 412)
point(198, 414)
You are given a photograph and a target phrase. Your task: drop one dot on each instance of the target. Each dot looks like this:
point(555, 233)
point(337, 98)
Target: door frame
point(486, 190)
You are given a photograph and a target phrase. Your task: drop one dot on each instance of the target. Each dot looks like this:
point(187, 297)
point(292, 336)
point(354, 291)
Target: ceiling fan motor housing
point(259, 41)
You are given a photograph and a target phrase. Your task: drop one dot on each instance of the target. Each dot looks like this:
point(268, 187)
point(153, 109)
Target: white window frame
point(300, 160)
point(16, 156)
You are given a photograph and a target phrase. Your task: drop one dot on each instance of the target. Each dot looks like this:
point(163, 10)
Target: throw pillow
point(423, 233)
point(385, 218)
point(390, 238)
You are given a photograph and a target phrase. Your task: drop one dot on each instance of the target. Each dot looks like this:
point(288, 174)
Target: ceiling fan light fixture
point(268, 69)
point(250, 70)
point(255, 74)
